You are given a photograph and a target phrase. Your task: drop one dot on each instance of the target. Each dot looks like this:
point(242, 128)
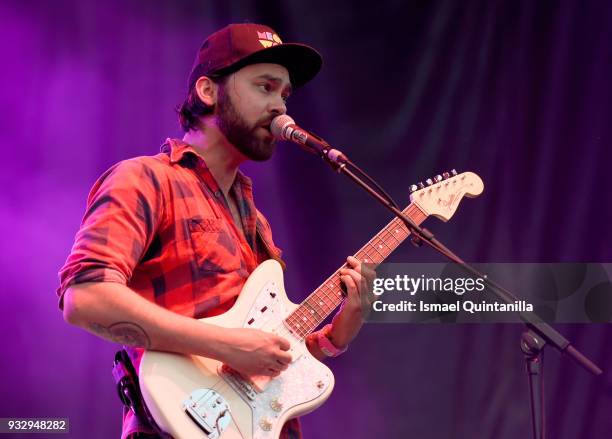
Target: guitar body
point(179, 389)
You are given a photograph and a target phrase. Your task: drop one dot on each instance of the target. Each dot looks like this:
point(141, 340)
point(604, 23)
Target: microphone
point(283, 127)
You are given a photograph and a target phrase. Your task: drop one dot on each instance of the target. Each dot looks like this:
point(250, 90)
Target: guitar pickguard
point(267, 308)
point(304, 380)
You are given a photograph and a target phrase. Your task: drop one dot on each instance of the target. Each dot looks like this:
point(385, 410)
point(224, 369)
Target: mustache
point(265, 122)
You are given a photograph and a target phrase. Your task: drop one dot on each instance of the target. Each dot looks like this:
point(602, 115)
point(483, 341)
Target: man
point(172, 238)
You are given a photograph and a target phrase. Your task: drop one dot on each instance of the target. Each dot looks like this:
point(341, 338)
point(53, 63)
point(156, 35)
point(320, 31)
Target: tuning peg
point(438, 178)
point(421, 185)
point(413, 188)
point(445, 175)
point(453, 172)
point(429, 182)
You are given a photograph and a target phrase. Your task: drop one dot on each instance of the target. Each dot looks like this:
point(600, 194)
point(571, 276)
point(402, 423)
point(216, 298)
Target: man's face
point(246, 105)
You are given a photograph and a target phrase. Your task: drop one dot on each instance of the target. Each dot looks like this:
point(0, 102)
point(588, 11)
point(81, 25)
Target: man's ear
point(206, 90)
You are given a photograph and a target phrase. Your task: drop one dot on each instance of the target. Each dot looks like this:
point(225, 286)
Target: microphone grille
point(277, 127)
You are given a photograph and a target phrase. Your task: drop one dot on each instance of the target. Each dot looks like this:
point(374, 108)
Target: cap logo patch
point(268, 39)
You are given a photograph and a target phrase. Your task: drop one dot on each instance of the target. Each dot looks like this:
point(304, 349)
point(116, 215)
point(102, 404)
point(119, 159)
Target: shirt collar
point(178, 150)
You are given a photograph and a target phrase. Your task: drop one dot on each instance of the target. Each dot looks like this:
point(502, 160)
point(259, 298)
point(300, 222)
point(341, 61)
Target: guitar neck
point(320, 304)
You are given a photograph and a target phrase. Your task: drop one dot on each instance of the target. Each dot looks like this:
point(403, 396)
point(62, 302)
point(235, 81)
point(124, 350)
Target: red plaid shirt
point(161, 226)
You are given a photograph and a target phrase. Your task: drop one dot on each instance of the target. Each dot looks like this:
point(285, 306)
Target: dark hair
point(193, 108)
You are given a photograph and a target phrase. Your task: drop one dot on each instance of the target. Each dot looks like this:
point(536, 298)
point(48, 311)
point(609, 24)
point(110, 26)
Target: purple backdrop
point(517, 91)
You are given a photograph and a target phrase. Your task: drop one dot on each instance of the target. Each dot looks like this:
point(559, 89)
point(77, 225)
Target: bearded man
point(171, 238)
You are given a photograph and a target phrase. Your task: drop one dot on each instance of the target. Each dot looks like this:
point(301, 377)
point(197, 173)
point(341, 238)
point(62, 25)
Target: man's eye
point(265, 87)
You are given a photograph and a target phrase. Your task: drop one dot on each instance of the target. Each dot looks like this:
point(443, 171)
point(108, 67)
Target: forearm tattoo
point(125, 333)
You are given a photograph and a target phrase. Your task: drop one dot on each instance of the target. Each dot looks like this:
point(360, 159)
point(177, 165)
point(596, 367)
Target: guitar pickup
point(237, 381)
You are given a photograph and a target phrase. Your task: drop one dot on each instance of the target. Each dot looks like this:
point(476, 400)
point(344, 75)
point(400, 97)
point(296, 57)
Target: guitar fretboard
point(320, 304)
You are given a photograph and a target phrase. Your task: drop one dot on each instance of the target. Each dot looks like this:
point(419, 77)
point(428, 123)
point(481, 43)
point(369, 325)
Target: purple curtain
point(517, 91)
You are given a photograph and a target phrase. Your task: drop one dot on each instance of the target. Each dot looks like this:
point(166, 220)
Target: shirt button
point(217, 194)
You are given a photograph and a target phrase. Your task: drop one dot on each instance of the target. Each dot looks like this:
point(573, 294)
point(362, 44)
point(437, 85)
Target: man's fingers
point(350, 283)
point(283, 358)
point(366, 270)
point(352, 274)
point(277, 366)
point(283, 343)
point(280, 366)
point(354, 263)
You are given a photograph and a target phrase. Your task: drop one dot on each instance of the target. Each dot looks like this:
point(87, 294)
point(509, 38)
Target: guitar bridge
point(209, 410)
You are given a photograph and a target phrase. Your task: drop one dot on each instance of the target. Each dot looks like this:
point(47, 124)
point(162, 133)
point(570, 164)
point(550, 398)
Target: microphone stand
point(536, 335)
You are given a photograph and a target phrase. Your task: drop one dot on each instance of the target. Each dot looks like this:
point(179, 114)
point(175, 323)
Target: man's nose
point(278, 106)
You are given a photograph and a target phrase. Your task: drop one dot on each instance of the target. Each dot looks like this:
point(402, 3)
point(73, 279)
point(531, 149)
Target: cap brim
point(301, 61)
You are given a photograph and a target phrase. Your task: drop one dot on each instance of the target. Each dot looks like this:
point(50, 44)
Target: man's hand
point(254, 352)
point(347, 322)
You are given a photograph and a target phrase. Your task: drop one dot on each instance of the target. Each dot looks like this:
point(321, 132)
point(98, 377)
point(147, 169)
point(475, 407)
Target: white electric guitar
point(198, 397)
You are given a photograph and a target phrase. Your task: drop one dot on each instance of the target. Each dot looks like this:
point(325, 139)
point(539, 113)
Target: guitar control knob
point(453, 172)
point(276, 404)
point(413, 188)
point(421, 185)
point(445, 175)
point(265, 424)
point(438, 178)
point(429, 182)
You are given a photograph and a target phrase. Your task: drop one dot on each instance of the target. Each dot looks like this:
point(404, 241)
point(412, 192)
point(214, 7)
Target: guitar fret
point(298, 328)
point(333, 289)
point(307, 316)
point(304, 318)
point(326, 306)
point(328, 300)
point(387, 241)
point(379, 249)
point(395, 234)
point(331, 301)
point(313, 309)
point(367, 258)
point(392, 241)
point(382, 257)
point(384, 243)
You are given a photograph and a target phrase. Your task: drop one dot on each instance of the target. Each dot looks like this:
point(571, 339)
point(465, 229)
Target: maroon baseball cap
point(237, 45)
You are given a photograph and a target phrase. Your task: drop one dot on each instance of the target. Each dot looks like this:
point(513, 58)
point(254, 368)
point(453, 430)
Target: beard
point(239, 133)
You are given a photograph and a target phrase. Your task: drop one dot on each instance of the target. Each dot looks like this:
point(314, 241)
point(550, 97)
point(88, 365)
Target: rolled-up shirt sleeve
point(123, 212)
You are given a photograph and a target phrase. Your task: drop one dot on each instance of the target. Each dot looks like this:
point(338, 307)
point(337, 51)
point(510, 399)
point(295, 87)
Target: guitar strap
point(128, 390)
point(272, 254)
point(266, 245)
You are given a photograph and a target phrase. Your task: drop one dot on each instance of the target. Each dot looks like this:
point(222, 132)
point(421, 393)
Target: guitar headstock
point(439, 196)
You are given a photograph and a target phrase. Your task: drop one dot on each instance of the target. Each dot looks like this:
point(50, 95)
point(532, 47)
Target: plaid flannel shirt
point(161, 225)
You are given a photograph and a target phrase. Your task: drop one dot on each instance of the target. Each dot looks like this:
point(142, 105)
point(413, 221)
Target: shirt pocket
point(214, 247)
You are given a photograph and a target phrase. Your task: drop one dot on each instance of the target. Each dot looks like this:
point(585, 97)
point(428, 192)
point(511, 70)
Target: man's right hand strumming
point(254, 352)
